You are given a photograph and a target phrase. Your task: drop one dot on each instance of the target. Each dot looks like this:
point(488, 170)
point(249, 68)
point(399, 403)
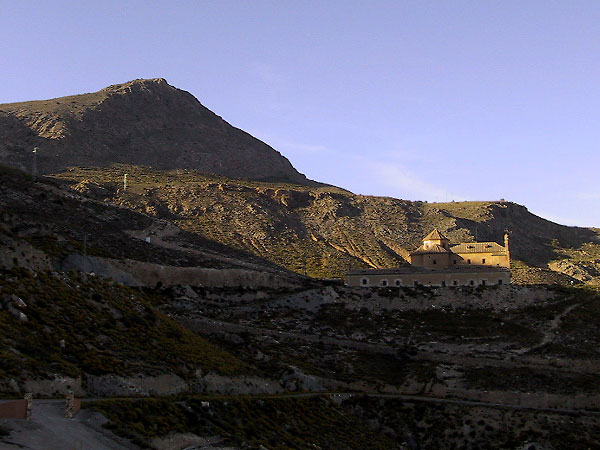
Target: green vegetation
point(525, 379)
point(451, 426)
point(358, 422)
point(275, 423)
point(107, 329)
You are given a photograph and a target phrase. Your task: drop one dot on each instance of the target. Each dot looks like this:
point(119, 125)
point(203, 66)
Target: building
point(437, 253)
point(437, 263)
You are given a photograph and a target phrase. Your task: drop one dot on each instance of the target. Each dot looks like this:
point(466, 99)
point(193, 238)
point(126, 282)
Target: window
point(454, 282)
point(416, 283)
point(483, 282)
point(398, 282)
point(443, 283)
point(483, 261)
point(384, 282)
point(364, 281)
point(434, 261)
point(499, 281)
point(454, 261)
point(471, 282)
point(468, 261)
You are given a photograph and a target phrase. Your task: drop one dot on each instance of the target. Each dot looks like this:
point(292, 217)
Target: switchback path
point(549, 333)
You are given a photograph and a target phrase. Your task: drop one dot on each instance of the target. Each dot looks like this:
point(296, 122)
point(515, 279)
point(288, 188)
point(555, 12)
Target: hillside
point(142, 122)
point(72, 326)
point(47, 226)
point(268, 349)
point(325, 230)
point(198, 163)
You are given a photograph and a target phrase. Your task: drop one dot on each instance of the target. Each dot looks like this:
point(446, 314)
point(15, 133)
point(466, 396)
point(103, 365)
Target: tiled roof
point(477, 247)
point(435, 235)
point(435, 248)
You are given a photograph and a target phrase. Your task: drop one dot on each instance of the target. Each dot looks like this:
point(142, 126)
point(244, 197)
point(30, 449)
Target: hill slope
point(324, 230)
point(142, 122)
point(46, 226)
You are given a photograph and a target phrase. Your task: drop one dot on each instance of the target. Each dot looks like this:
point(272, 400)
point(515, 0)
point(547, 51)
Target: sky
point(420, 100)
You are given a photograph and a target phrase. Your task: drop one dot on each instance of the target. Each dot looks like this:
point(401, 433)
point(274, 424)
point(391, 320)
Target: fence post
point(28, 405)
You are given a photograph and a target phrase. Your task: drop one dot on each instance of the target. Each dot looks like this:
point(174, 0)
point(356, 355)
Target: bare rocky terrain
point(322, 231)
point(198, 162)
point(197, 309)
point(142, 122)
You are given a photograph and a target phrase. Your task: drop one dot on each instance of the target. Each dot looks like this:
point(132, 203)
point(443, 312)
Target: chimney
point(506, 239)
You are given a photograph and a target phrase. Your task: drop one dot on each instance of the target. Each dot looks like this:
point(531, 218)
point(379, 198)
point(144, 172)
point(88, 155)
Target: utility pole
point(34, 164)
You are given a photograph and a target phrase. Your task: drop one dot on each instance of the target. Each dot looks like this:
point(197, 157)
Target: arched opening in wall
point(468, 261)
point(443, 283)
point(398, 282)
point(384, 283)
point(364, 281)
point(483, 282)
point(499, 281)
point(454, 283)
point(482, 260)
point(471, 282)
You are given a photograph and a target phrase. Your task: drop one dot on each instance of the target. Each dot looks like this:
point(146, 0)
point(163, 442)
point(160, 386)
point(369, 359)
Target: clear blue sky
point(422, 100)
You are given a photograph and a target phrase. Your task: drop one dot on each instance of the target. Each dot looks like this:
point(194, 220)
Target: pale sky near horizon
point(421, 100)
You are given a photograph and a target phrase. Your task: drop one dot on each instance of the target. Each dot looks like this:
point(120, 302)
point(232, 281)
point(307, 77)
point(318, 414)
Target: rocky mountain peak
point(141, 85)
point(144, 122)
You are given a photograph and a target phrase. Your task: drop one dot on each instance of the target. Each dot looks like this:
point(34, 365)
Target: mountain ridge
point(142, 122)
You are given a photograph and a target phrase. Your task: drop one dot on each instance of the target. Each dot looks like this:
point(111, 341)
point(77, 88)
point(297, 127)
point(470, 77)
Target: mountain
point(276, 214)
point(142, 122)
point(324, 230)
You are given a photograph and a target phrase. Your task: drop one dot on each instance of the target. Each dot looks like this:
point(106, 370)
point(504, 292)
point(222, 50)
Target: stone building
point(438, 263)
point(437, 253)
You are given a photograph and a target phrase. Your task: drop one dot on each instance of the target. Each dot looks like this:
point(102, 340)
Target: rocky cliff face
point(142, 122)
